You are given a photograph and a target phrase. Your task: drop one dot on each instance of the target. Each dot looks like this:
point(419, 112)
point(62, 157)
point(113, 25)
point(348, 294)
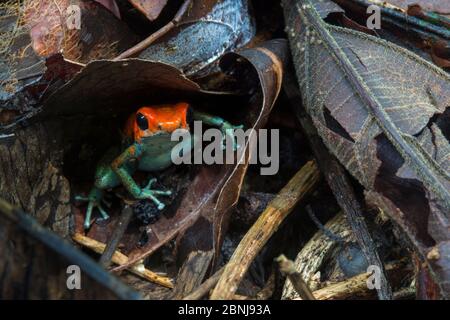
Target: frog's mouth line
point(157, 137)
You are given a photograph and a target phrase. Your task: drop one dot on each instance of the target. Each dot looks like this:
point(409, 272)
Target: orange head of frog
point(151, 120)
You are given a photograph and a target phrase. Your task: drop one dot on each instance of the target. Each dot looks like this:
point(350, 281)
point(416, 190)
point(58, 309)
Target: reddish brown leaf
point(25, 77)
point(101, 34)
point(151, 8)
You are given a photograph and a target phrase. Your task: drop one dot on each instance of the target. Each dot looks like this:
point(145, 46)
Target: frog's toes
point(105, 215)
point(228, 130)
point(94, 200)
point(150, 183)
point(81, 198)
point(151, 194)
point(90, 208)
point(163, 193)
point(161, 206)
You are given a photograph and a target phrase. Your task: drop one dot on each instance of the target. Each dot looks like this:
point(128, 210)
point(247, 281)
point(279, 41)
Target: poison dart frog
point(146, 146)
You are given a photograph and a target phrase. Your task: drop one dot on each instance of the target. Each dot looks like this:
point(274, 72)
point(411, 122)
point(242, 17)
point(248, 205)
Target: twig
point(5, 136)
point(408, 293)
point(144, 44)
point(339, 183)
point(315, 252)
point(192, 273)
point(268, 289)
point(354, 286)
point(205, 287)
point(277, 210)
point(240, 297)
point(287, 267)
point(111, 246)
point(66, 250)
point(399, 19)
point(119, 258)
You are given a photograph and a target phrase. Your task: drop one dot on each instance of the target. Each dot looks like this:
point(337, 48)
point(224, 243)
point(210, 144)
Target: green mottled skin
point(151, 153)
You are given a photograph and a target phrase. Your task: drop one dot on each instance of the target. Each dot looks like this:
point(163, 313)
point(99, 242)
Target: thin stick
point(205, 287)
point(287, 267)
point(65, 249)
point(351, 287)
point(120, 259)
point(122, 224)
point(277, 210)
point(5, 136)
point(144, 44)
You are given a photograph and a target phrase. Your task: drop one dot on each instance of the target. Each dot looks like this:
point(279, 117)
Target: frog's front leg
point(215, 121)
point(120, 167)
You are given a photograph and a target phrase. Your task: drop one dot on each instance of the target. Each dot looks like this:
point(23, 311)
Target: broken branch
point(120, 259)
point(287, 267)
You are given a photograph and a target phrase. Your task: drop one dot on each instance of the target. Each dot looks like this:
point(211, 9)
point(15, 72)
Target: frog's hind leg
point(105, 178)
point(94, 200)
point(121, 166)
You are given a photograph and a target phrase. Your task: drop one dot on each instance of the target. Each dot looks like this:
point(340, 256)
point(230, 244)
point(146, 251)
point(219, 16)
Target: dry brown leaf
point(151, 8)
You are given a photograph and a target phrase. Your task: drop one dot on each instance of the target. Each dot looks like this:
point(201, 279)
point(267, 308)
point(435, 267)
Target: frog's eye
point(141, 121)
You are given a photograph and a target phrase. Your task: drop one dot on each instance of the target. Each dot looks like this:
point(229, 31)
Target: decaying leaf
point(383, 112)
point(151, 8)
point(208, 30)
point(35, 35)
point(21, 92)
point(81, 30)
point(19, 65)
